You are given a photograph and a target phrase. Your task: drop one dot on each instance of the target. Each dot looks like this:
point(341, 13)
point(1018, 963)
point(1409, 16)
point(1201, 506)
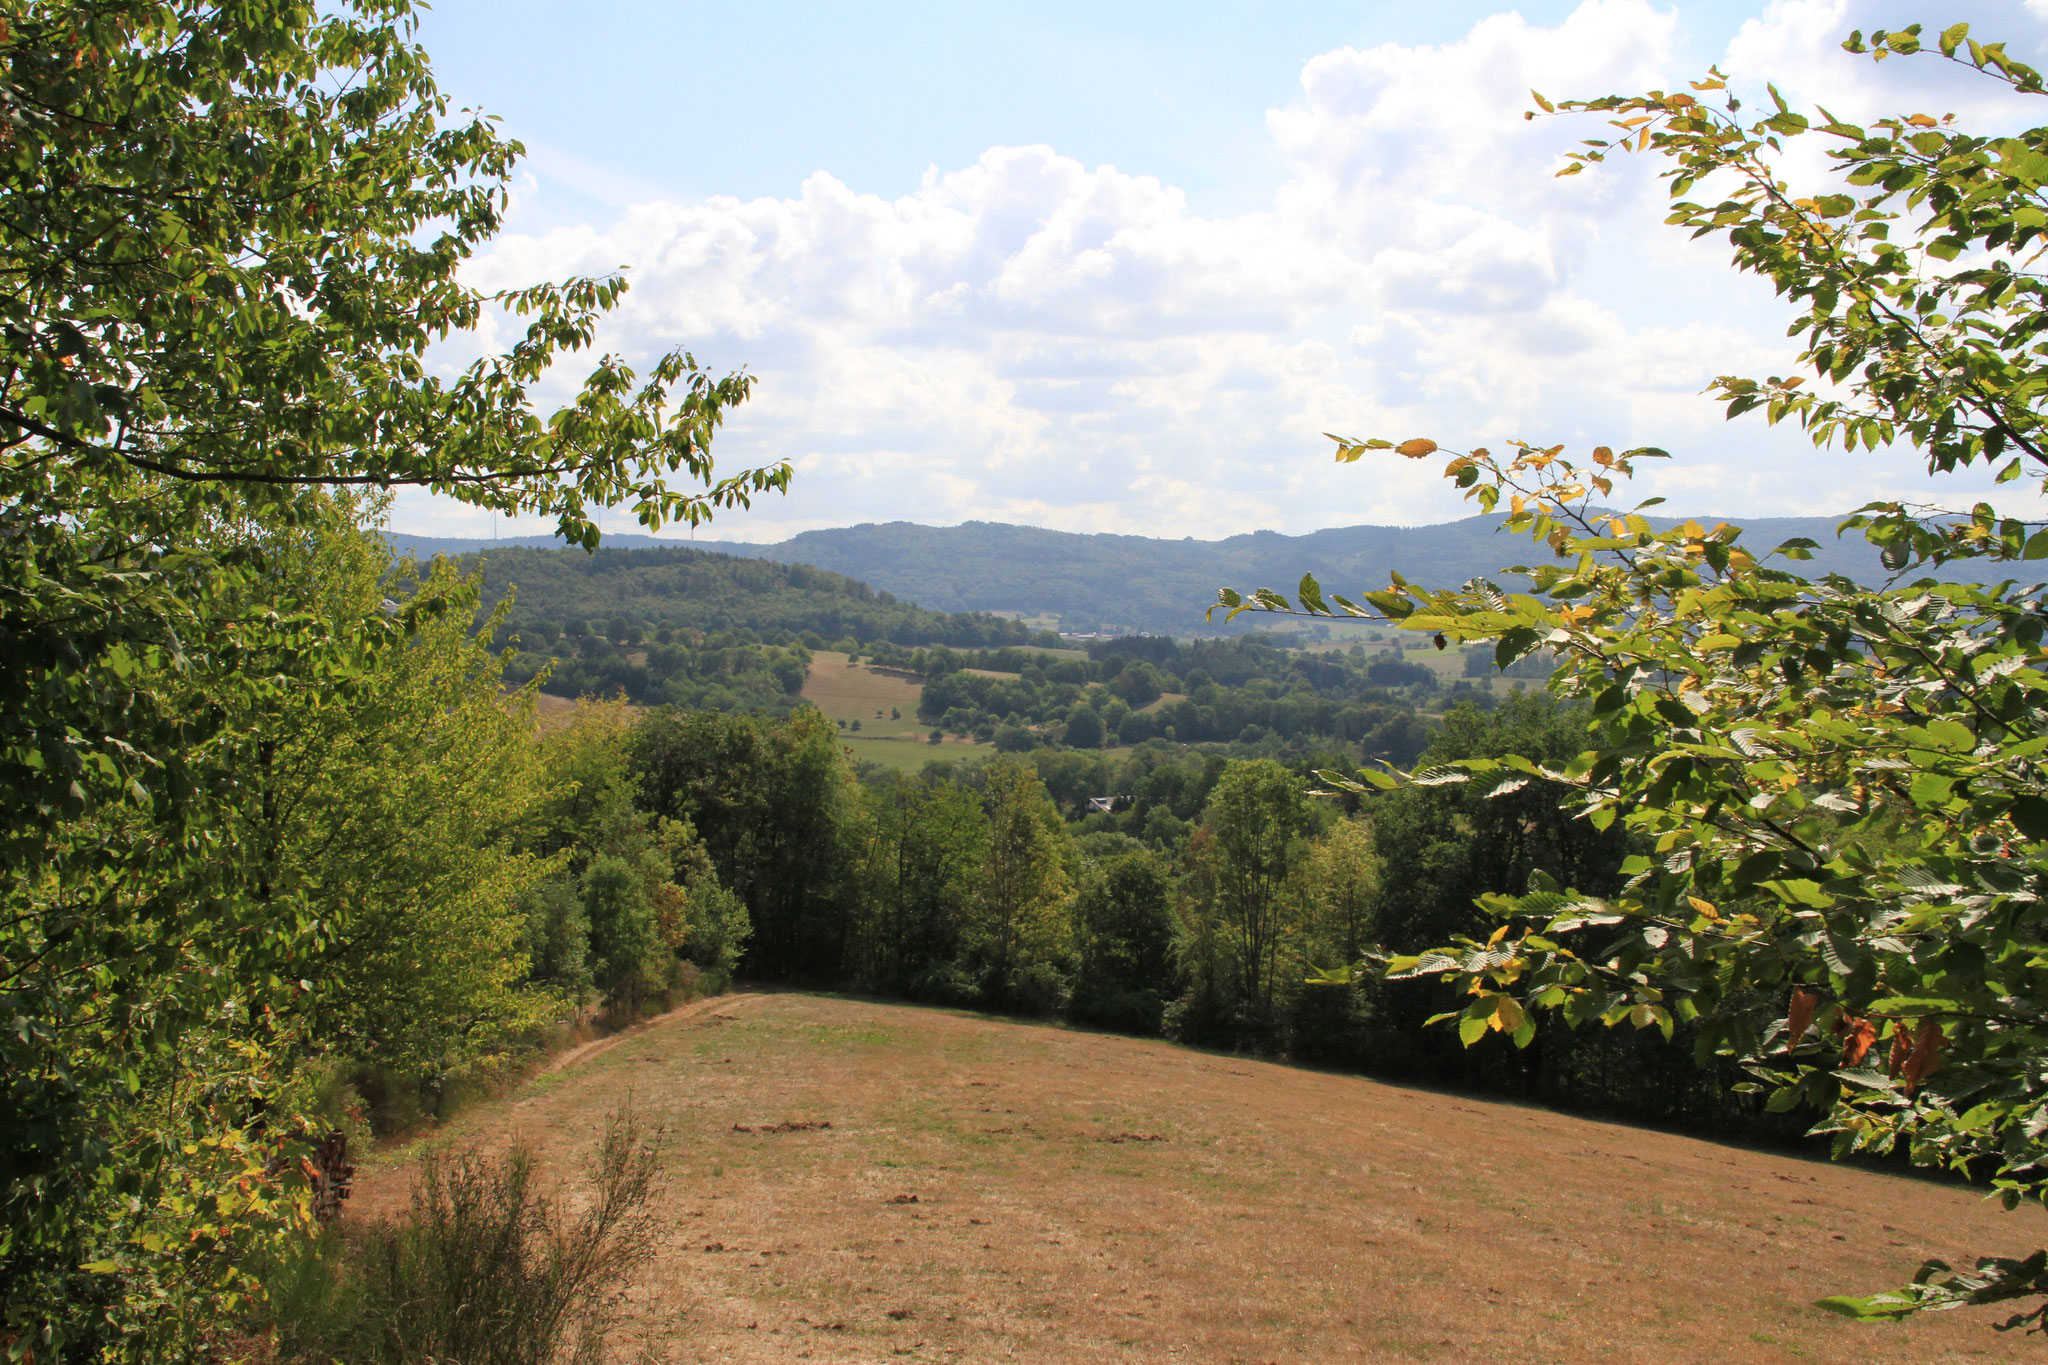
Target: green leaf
point(1873, 1308)
point(1931, 789)
point(2029, 815)
point(1799, 891)
point(1514, 644)
point(1913, 1005)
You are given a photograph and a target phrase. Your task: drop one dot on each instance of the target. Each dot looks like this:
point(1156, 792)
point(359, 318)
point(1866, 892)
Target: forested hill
point(1142, 584)
point(628, 591)
point(1139, 583)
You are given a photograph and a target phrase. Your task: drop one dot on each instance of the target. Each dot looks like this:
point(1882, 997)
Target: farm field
point(856, 692)
point(551, 712)
point(852, 1181)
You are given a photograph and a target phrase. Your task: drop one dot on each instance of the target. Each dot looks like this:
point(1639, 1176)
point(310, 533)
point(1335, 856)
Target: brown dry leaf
point(1862, 1036)
point(1800, 1016)
point(1902, 1048)
point(1927, 1041)
point(1416, 448)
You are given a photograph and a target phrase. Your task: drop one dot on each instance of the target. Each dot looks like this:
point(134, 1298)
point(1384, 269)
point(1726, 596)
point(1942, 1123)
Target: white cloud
point(1031, 339)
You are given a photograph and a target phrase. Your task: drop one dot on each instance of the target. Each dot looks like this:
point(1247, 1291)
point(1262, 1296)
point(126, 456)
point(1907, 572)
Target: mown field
point(859, 692)
point(852, 1181)
point(849, 692)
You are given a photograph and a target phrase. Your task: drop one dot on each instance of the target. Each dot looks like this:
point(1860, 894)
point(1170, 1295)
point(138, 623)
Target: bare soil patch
point(862, 1182)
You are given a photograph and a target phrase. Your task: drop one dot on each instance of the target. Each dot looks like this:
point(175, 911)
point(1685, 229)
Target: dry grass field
point(858, 691)
point(859, 1182)
point(552, 713)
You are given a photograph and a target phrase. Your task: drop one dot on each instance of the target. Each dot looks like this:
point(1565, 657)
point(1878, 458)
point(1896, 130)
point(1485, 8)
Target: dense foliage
point(230, 235)
point(1836, 788)
point(1133, 689)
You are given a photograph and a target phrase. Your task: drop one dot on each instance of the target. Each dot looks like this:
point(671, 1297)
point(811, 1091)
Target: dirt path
point(597, 1046)
point(862, 1182)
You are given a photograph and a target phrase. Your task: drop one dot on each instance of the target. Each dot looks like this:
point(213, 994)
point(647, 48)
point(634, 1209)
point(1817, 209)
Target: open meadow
point(861, 692)
point(851, 1181)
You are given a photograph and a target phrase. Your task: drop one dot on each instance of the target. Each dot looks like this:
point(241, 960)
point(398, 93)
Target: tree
point(1456, 843)
point(774, 806)
point(1258, 815)
point(1339, 888)
point(1084, 728)
point(1123, 930)
point(231, 234)
point(1840, 784)
point(1019, 933)
point(394, 815)
point(923, 845)
point(1015, 739)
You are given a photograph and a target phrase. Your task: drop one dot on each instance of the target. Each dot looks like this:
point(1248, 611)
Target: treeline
point(730, 670)
point(1198, 906)
point(615, 591)
point(1231, 691)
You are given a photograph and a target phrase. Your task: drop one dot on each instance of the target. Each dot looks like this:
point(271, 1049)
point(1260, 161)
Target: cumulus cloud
point(1031, 339)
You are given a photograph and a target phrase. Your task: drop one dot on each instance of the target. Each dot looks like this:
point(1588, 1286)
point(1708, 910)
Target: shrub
point(485, 1269)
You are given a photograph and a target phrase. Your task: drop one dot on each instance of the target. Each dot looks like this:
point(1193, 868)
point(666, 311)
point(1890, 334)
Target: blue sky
point(627, 101)
point(1115, 267)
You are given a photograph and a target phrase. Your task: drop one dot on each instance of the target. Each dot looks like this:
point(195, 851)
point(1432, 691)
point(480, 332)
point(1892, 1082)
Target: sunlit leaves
point(232, 237)
point(1839, 789)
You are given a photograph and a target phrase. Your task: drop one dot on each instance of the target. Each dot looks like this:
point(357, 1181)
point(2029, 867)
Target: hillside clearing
point(859, 691)
point(988, 1190)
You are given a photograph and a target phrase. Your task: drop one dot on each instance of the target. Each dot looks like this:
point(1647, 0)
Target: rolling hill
point(854, 1181)
point(1093, 582)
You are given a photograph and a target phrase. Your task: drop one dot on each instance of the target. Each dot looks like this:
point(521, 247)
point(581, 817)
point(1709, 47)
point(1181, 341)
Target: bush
point(558, 936)
point(485, 1270)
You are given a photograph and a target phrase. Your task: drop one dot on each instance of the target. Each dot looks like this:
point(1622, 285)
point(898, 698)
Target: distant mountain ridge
point(1092, 581)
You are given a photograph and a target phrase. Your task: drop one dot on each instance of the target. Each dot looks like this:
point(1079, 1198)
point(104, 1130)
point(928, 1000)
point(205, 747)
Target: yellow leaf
point(1603, 456)
point(1921, 121)
point(1704, 907)
point(1416, 448)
